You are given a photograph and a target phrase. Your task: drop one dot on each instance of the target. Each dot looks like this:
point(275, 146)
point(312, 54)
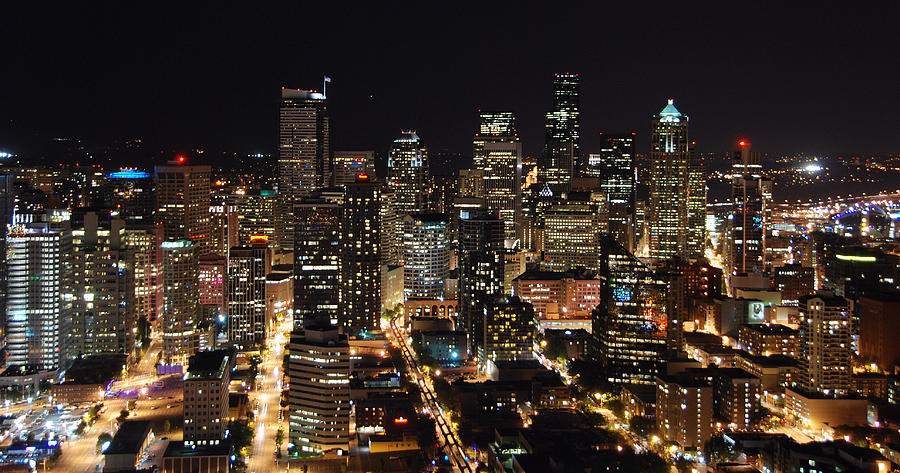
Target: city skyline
point(190, 83)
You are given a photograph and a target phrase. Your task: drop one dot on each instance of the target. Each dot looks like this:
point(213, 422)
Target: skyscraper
point(317, 252)
point(669, 184)
point(103, 318)
point(7, 205)
point(181, 310)
point(206, 404)
point(572, 233)
point(481, 266)
point(360, 290)
point(615, 168)
point(39, 305)
point(824, 345)
point(304, 149)
point(259, 215)
point(426, 250)
point(145, 261)
point(131, 194)
point(319, 394)
point(183, 198)
point(696, 203)
point(748, 211)
point(560, 160)
point(507, 330)
point(630, 325)
point(408, 173)
point(497, 153)
point(246, 289)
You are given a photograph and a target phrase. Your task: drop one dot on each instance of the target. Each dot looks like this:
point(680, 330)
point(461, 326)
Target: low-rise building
point(181, 457)
point(813, 410)
point(206, 404)
point(127, 446)
point(768, 339)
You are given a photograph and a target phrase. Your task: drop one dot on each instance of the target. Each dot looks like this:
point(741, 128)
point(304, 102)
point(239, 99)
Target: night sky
point(816, 79)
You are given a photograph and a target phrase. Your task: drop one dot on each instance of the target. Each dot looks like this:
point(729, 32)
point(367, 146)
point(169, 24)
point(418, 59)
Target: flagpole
point(324, 86)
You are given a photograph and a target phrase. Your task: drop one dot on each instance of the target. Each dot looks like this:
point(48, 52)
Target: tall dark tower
point(480, 267)
point(748, 202)
point(360, 286)
point(669, 184)
point(561, 160)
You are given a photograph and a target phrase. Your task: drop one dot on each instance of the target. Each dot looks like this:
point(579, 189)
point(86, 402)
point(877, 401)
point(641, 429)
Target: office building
point(748, 211)
point(304, 147)
point(408, 173)
point(560, 294)
point(181, 295)
point(360, 260)
point(206, 396)
point(737, 396)
point(560, 160)
point(878, 325)
point(260, 217)
point(7, 206)
point(507, 330)
point(279, 294)
point(426, 255)
point(630, 328)
point(317, 252)
point(131, 194)
point(572, 232)
point(349, 164)
point(246, 289)
point(183, 198)
point(319, 395)
point(669, 184)
point(481, 266)
point(102, 318)
point(224, 222)
point(769, 339)
point(824, 335)
point(471, 183)
point(794, 281)
point(615, 168)
point(40, 294)
point(212, 271)
point(146, 263)
point(696, 205)
point(391, 230)
point(497, 153)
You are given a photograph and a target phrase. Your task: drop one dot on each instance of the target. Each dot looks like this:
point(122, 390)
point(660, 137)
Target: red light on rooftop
point(180, 158)
point(400, 420)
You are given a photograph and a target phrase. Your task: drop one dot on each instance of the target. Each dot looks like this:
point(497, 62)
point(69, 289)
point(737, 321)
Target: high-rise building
point(145, 260)
point(471, 183)
point(317, 252)
point(615, 168)
point(349, 164)
point(360, 261)
point(7, 205)
point(181, 310)
point(560, 160)
point(319, 393)
point(206, 396)
point(183, 198)
point(131, 194)
point(696, 206)
point(748, 211)
point(391, 230)
point(426, 255)
point(684, 410)
point(669, 184)
point(794, 281)
point(630, 328)
point(443, 191)
point(40, 294)
point(224, 222)
point(560, 294)
point(304, 148)
point(408, 173)
point(572, 232)
point(481, 266)
point(102, 319)
point(824, 345)
point(259, 217)
point(211, 274)
point(507, 330)
point(246, 289)
point(497, 153)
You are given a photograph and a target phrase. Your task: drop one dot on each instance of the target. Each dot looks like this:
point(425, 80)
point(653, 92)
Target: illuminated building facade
point(630, 328)
point(40, 295)
point(507, 330)
point(360, 260)
point(260, 217)
point(748, 211)
point(684, 410)
point(349, 164)
point(102, 318)
point(481, 266)
point(181, 310)
point(7, 205)
point(317, 252)
point(211, 271)
point(497, 153)
point(669, 184)
point(183, 197)
point(319, 393)
point(560, 160)
point(304, 147)
point(426, 250)
point(145, 260)
point(572, 235)
point(131, 194)
point(615, 168)
point(696, 206)
point(206, 383)
point(794, 281)
point(408, 173)
point(560, 294)
point(824, 335)
point(246, 289)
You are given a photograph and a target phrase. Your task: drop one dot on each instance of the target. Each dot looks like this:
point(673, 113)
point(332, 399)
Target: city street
point(268, 395)
point(448, 438)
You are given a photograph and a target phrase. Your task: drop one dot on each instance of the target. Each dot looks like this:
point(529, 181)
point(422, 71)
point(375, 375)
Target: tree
point(241, 433)
point(642, 426)
point(123, 414)
point(682, 465)
point(102, 439)
point(616, 406)
point(143, 332)
point(132, 405)
point(167, 425)
point(279, 439)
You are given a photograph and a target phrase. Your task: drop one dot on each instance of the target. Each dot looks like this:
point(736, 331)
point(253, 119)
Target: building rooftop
point(770, 329)
point(129, 438)
point(538, 275)
point(180, 450)
point(209, 364)
point(670, 110)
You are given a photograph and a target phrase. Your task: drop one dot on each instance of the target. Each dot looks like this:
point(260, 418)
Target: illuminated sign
point(259, 238)
point(860, 259)
point(400, 420)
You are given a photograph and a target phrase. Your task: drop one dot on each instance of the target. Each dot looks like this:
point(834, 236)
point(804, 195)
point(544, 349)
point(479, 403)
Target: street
point(268, 395)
